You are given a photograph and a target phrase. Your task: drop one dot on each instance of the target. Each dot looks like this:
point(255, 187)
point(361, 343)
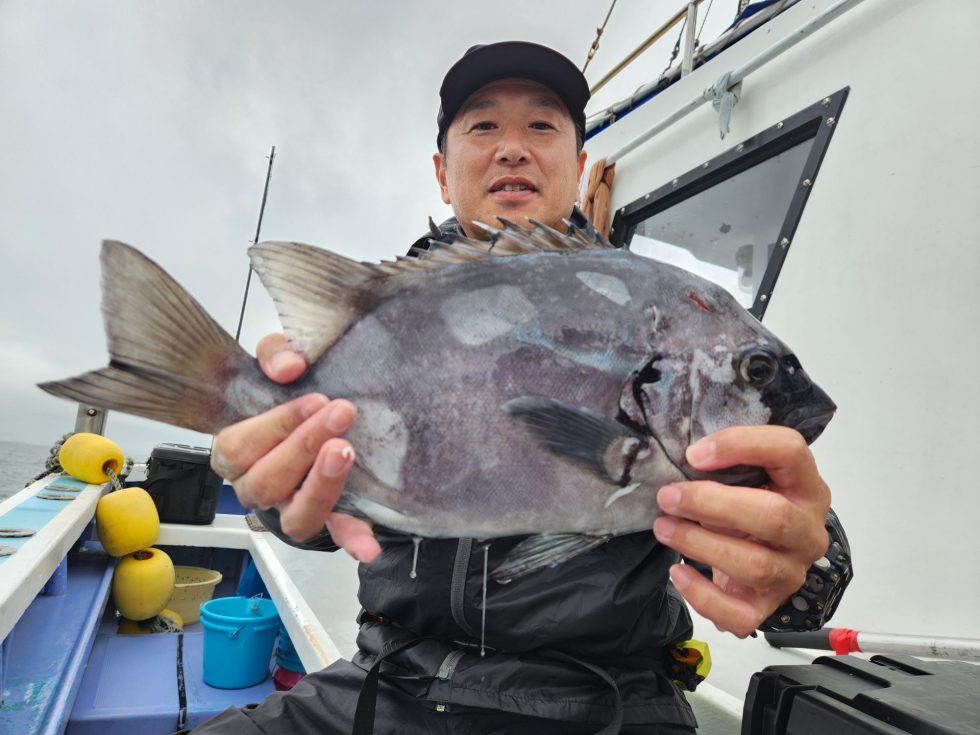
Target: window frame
point(817, 122)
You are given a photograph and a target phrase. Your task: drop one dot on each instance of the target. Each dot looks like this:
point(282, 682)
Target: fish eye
point(758, 369)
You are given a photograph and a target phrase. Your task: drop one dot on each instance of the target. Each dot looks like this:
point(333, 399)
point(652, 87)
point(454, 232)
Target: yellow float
point(87, 456)
point(127, 521)
point(143, 583)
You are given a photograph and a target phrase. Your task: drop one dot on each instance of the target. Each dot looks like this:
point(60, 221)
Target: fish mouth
point(808, 423)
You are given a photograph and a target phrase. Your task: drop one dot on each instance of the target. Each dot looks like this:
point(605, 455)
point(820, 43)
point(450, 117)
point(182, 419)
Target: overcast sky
point(150, 123)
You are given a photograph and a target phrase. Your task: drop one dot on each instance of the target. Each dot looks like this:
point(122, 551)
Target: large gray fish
point(548, 384)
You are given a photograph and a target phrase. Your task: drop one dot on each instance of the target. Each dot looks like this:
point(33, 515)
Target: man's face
point(510, 152)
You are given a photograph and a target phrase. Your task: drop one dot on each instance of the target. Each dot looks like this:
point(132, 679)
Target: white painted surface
point(879, 295)
point(26, 572)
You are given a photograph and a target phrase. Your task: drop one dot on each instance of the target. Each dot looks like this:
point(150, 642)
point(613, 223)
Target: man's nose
point(512, 147)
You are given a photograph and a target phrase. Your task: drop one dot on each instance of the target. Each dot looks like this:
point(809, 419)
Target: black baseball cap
point(481, 65)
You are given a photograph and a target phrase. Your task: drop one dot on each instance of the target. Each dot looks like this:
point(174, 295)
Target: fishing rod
point(258, 230)
point(845, 640)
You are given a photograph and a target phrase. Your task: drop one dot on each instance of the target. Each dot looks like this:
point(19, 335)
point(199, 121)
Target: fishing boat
point(819, 161)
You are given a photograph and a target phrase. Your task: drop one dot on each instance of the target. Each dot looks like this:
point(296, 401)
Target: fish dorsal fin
point(516, 240)
point(317, 293)
point(320, 294)
point(402, 264)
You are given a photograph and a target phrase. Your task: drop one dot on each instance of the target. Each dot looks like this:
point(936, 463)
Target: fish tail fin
point(170, 361)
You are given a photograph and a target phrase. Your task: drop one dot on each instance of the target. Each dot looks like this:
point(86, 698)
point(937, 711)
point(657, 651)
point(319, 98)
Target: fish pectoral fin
point(605, 447)
point(542, 551)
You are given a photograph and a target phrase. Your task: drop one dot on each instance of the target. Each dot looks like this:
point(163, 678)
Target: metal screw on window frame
point(739, 148)
point(674, 183)
point(779, 126)
point(704, 165)
point(807, 183)
point(825, 101)
point(91, 412)
point(764, 298)
point(784, 242)
point(646, 196)
point(830, 122)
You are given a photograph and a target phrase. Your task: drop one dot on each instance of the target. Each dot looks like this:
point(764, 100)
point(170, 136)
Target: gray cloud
point(150, 122)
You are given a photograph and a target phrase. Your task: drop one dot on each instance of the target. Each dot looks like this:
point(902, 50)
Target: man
point(579, 648)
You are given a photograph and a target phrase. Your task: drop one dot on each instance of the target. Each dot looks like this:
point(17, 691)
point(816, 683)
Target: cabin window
point(732, 219)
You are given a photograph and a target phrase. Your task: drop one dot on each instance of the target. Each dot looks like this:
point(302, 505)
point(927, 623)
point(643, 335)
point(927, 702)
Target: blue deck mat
point(130, 686)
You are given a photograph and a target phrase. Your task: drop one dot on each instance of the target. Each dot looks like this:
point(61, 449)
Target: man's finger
point(278, 360)
point(273, 477)
point(763, 568)
point(305, 513)
point(239, 446)
point(354, 536)
point(764, 514)
point(710, 601)
point(781, 451)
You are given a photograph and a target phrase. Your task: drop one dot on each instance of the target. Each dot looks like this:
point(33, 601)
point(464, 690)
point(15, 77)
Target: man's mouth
point(510, 185)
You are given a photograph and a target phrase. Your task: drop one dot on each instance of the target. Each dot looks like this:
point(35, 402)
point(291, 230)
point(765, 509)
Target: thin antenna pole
point(258, 230)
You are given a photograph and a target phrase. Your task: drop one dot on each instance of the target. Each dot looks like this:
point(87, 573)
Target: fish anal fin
point(543, 551)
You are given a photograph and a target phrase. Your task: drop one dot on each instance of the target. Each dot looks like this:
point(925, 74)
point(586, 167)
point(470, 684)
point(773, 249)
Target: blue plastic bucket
point(239, 633)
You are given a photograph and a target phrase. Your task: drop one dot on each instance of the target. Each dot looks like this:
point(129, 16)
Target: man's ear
point(440, 165)
point(581, 163)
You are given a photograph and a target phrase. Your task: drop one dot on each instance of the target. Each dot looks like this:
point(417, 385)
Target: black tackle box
point(846, 695)
point(181, 482)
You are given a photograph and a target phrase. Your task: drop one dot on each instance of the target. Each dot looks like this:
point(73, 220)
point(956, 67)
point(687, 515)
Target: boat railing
point(728, 81)
point(690, 12)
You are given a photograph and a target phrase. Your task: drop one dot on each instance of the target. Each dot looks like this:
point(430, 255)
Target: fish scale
point(542, 384)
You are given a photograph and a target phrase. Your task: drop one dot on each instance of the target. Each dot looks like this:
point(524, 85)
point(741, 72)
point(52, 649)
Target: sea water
point(19, 463)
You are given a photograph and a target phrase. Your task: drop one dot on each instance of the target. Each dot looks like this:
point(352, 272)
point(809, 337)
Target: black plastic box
point(846, 695)
point(181, 482)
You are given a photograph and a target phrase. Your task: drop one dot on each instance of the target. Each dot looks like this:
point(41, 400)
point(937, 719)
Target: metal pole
point(687, 62)
point(657, 35)
point(738, 75)
point(90, 419)
point(258, 230)
point(846, 640)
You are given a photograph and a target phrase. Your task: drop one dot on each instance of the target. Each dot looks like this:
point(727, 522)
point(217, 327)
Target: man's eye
point(541, 125)
point(485, 125)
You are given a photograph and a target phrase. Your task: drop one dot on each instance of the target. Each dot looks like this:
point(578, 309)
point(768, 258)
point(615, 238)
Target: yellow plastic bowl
point(194, 585)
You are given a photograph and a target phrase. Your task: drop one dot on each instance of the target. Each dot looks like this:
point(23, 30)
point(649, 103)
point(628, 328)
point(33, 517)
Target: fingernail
point(664, 528)
point(337, 461)
point(282, 360)
point(340, 417)
point(679, 577)
point(311, 404)
point(701, 452)
point(669, 498)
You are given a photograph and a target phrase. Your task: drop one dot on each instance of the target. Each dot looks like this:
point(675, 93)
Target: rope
point(598, 34)
point(597, 194)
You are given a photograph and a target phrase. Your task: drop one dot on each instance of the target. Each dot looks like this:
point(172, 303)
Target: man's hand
point(266, 457)
point(759, 542)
